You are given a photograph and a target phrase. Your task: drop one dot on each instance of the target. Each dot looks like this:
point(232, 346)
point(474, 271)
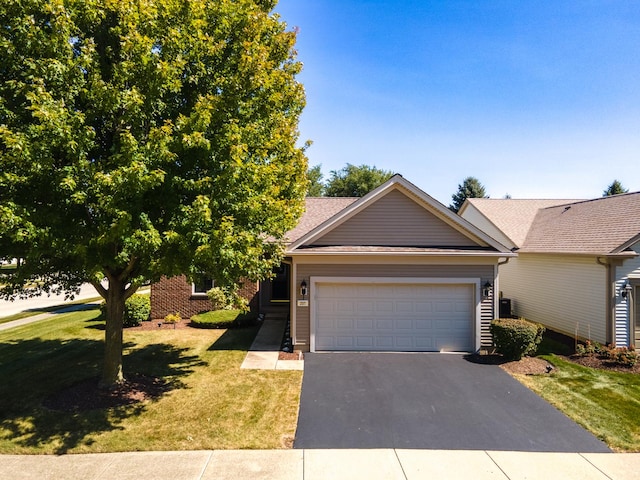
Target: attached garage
point(394, 314)
point(394, 270)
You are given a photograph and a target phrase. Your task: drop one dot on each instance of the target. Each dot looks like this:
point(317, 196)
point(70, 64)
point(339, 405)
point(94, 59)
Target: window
point(202, 285)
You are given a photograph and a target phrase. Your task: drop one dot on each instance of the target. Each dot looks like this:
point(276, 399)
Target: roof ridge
point(597, 199)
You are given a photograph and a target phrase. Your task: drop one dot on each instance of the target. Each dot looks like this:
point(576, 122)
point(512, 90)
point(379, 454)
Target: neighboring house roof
point(317, 211)
point(513, 217)
point(327, 221)
point(603, 226)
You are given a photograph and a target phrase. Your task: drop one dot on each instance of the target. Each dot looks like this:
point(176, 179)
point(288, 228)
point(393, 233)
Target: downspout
point(610, 289)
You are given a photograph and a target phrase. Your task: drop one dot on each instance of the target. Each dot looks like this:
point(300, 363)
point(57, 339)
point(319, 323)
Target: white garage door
point(394, 317)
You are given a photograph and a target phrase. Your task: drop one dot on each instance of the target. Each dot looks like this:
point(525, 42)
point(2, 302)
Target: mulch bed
point(525, 366)
point(87, 395)
point(602, 363)
point(160, 325)
point(290, 356)
point(538, 366)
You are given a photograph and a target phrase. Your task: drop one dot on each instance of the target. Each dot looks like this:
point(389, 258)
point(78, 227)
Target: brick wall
point(174, 294)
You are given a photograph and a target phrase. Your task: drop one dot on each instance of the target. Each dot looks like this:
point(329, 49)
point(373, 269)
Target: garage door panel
point(401, 317)
point(366, 324)
point(404, 324)
point(383, 324)
point(384, 307)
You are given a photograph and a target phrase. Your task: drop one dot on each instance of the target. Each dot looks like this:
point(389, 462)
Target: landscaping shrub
point(222, 319)
point(136, 310)
point(514, 338)
point(173, 318)
point(626, 357)
point(227, 298)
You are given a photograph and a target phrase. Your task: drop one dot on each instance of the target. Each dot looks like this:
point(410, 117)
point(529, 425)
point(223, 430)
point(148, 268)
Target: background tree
point(316, 186)
point(470, 188)
point(615, 188)
point(355, 181)
point(140, 139)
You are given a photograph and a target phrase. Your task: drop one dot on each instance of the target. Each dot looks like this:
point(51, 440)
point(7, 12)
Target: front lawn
point(604, 402)
point(222, 319)
point(208, 402)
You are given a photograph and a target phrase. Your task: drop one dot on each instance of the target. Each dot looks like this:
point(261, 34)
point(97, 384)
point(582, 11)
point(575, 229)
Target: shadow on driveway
point(427, 401)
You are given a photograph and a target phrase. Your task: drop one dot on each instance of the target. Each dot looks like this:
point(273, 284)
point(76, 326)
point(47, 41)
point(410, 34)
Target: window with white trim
point(201, 286)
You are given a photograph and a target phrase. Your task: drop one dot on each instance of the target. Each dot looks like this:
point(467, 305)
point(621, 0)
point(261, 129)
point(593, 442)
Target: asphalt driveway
point(427, 401)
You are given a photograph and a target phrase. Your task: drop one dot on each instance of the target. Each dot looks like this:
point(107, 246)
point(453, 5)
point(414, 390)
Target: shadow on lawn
point(35, 371)
point(236, 339)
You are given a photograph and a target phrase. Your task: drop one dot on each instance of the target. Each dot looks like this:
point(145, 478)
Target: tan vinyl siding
point(472, 215)
point(395, 220)
point(564, 293)
point(305, 271)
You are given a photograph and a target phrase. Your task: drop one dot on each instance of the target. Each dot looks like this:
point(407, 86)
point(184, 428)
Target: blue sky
point(535, 99)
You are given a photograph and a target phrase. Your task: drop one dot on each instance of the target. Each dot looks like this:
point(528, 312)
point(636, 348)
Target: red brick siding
point(174, 294)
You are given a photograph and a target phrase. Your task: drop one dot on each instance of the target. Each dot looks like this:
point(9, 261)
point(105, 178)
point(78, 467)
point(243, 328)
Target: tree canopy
point(355, 181)
point(615, 188)
point(141, 139)
point(314, 177)
point(470, 188)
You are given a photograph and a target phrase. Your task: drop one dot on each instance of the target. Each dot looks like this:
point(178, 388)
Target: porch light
point(303, 288)
point(626, 290)
point(486, 289)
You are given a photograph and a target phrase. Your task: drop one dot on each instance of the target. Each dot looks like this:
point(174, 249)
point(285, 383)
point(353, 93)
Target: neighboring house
point(394, 270)
point(577, 270)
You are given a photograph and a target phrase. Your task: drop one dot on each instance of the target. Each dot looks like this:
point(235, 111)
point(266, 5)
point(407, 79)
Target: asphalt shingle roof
point(317, 211)
point(600, 226)
point(513, 217)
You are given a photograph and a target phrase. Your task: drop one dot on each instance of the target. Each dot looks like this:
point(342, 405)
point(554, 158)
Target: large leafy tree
point(355, 181)
point(141, 138)
point(469, 188)
point(316, 186)
point(615, 188)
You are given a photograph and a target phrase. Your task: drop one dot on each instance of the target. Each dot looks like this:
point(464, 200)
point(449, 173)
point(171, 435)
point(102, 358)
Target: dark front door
point(280, 284)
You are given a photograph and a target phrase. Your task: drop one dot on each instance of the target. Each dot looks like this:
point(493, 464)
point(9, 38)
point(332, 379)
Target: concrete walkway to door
point(427, 401)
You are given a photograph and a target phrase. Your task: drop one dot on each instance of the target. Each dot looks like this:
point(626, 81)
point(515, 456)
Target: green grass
point(605, 403)
point(221, 318)
point(38, 311)
point(212, 403)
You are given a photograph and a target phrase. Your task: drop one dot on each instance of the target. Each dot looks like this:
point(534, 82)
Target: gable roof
point(317, 211)
point(513, 217)
point(311, 228)
point(602, 226)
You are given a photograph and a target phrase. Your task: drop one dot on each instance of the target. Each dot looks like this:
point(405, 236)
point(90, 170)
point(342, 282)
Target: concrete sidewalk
point(385, 464)
point(265, 349)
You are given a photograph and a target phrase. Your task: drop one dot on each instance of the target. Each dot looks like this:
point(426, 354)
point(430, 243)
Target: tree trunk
point(112, 368)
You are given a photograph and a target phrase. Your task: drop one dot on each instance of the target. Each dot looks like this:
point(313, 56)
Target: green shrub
point(514, 338)
point(222, 319)
point(624, 356)
point(227, 298)
point(136, 310)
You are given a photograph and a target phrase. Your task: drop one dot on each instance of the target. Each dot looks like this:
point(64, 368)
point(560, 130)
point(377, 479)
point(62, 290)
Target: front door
point(280, 284)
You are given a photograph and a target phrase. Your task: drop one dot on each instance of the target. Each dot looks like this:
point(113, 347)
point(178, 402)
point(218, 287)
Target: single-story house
point(394, 270)
point(578, 265)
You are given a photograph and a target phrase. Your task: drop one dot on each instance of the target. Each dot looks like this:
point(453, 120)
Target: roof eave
point(402, 254)
point(624, 254)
